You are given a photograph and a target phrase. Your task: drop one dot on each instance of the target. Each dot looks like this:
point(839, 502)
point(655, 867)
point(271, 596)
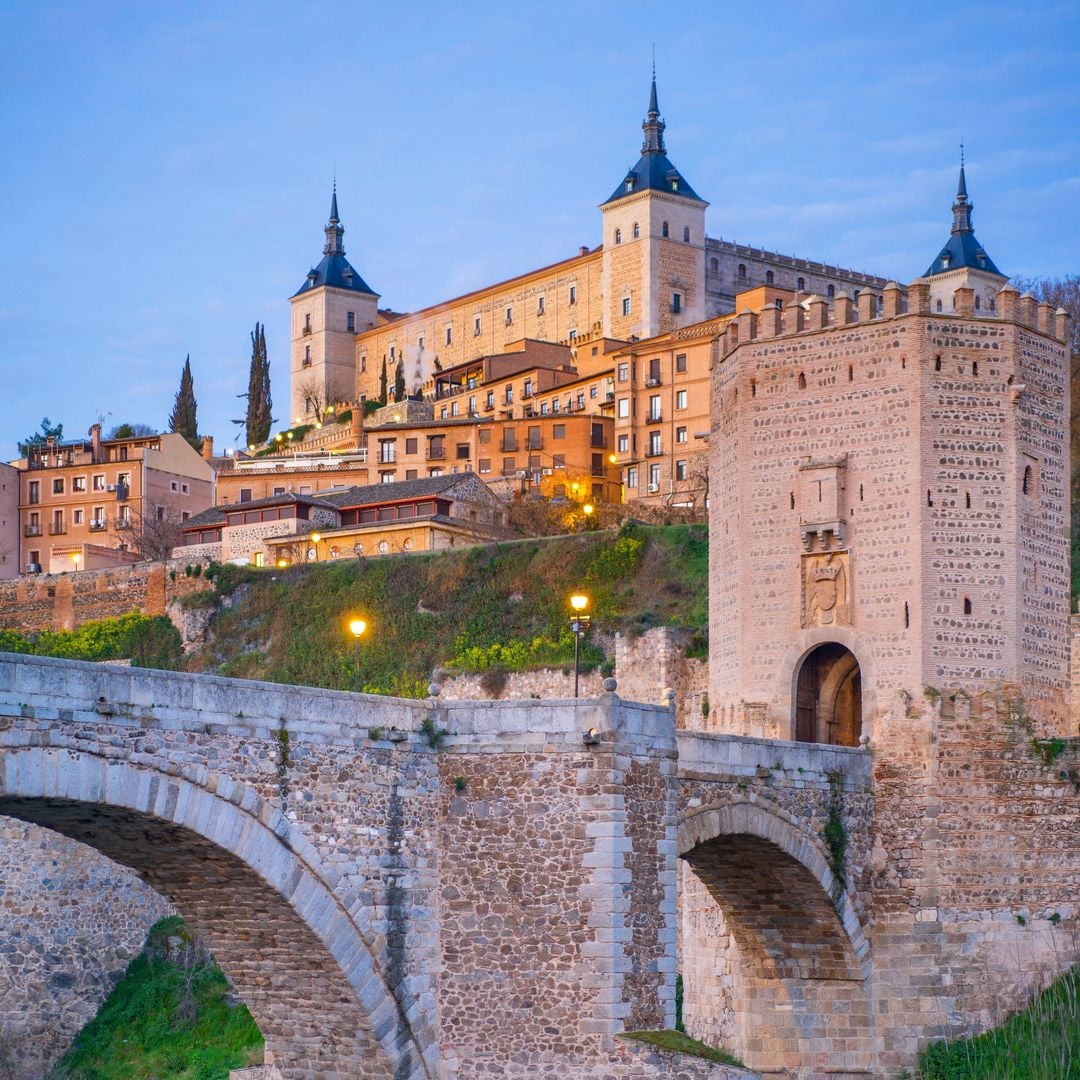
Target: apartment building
point(84, 504)
point(9, 521)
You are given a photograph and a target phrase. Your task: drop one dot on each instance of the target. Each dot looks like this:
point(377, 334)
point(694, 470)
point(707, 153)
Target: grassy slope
point(1040, 1043)
point(425, 610)
point(142, 1033)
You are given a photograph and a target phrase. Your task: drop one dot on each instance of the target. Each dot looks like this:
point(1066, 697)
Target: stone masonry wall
point(67, 601)
point(70, 923)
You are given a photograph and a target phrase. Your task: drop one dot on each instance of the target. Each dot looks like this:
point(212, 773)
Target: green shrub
point(147, 640)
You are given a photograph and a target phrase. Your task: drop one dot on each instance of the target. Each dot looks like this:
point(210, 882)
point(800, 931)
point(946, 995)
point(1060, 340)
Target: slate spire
point(962, 207)
point(334, 230)
point(653, 126)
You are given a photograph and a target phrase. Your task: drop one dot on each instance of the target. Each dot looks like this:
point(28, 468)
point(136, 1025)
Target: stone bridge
point(415, 889)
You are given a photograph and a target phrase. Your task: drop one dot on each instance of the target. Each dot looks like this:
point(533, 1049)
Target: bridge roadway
point(418, 889)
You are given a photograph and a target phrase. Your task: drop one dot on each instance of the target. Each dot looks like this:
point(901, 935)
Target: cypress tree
point(258, 395)
point(382, 383)
point(183, 420)
point(399, 381)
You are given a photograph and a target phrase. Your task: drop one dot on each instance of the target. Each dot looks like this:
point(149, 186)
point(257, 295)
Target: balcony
point(387, 457)
point(32, 530)
point(436, 453)
point(653, 381)
point(654, 418)
point(97, 526)
point(598, 442)
point(535, 443)
point(306, 332)
point(57, 528)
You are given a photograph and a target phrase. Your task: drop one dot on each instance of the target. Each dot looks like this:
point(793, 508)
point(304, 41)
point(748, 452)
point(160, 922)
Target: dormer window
point(946, 258)
point(629, 182)
point(674, 183)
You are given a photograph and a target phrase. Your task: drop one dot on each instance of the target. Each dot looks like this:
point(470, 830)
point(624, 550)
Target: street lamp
point(314, 538)
point(356, 628)
point(75, 558)
point(579, 624)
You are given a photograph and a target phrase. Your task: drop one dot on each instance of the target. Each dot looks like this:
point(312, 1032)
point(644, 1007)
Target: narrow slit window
point(907, 616)
point(967, 606)
point(802, 380)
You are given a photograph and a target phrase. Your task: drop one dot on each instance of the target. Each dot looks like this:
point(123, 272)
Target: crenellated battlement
point(816, 313)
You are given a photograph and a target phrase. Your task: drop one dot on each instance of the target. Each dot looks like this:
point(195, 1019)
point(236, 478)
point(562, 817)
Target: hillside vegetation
point(498, 606)
point(170, 1016)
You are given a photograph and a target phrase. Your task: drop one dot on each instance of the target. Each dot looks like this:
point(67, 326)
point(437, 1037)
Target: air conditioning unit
point(110, 487)
point(653, 382)
point(653, 488)
point(548, 472)
point(33, 568)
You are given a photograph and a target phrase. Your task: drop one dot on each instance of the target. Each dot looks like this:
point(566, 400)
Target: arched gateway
point(828, 696)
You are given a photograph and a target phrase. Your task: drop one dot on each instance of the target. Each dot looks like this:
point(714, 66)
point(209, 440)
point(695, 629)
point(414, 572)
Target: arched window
point(637, 230)
point(967, 605)
point(802, 380)
point(686, 234)
point(967, 500)
point(937, 363)
point(990, 304)
point(939, 305)
point(974, 367)
point(1027, 480)
point(769, 277)
point(664, 229)
point(714, 265)
point(831, 291)
point(800, 284)
point(618, 236)
point(976, 303)
point(742, 271)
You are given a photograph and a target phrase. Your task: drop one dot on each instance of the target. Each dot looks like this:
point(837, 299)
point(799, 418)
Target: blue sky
point(167, 166)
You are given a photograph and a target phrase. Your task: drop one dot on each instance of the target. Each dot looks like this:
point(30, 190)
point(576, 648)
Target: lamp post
point(579, 624)
point(587, 510)
point(76, 558)
point(356, 628)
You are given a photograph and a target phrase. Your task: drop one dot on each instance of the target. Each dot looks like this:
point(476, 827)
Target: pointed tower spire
point(653, 126)
point(334, 229)
point(962, 208)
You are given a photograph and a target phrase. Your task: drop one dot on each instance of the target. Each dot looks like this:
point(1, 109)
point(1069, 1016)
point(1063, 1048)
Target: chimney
point(207, 447)
point(583, 250)
point(95, 443)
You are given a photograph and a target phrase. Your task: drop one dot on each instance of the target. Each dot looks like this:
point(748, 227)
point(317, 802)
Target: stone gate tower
point(328, 310)
point(890, 502)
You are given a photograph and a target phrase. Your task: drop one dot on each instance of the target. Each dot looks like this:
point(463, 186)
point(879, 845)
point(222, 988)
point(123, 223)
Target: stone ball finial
point(610, 685)
point(864, 742)
point(434, 689)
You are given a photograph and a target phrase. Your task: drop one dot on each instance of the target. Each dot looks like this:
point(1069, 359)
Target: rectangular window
point(410, 474)
point(173, 485)
point(123, 517)
point(453, 408)
point(393, 352)
point(483, 435)
point(410, 446)
point(555, 406)
point(509, 315)
point(363, 362)
point(654, 372)
point(535, 441)
point(509, 466)
point(490, 401)
point(449, 335)
point(631, 477)
point(527, 392)
point(420, 343)
point(623, 407)
point(654, 477)
point(350, 321)
point(581, 400)
point(654, 407)
point(545, 408)
point(624, 372)
point(123, 480)
point(573, 294)
point(97, 518)
point(76, 517)
point(680, 362)
point(624, 444)
point(472, 405)
point(626, 305)
point(463, 451)
point(558, 461)
point(680, 470)
point(598, 464)
point(58, 485)
point(485, 465)
point(442, 413)
point(509, 439)
point(476, 326)
point(34, 490)
point(676, 303)
point(509, 393)
point(655, 445)
point(680, 399)
point(184, 489)
point(307, 323)
point(78, 484)
point(386, 477)
point(680, 434)
point(387, 451)
point(539, 305)
point(98, 483)
point(279, 491)
point(245, 495)
point(592, 391)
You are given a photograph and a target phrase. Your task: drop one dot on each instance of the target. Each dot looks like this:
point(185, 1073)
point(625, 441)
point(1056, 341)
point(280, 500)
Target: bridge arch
point(774, 960)
point(252, 887)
